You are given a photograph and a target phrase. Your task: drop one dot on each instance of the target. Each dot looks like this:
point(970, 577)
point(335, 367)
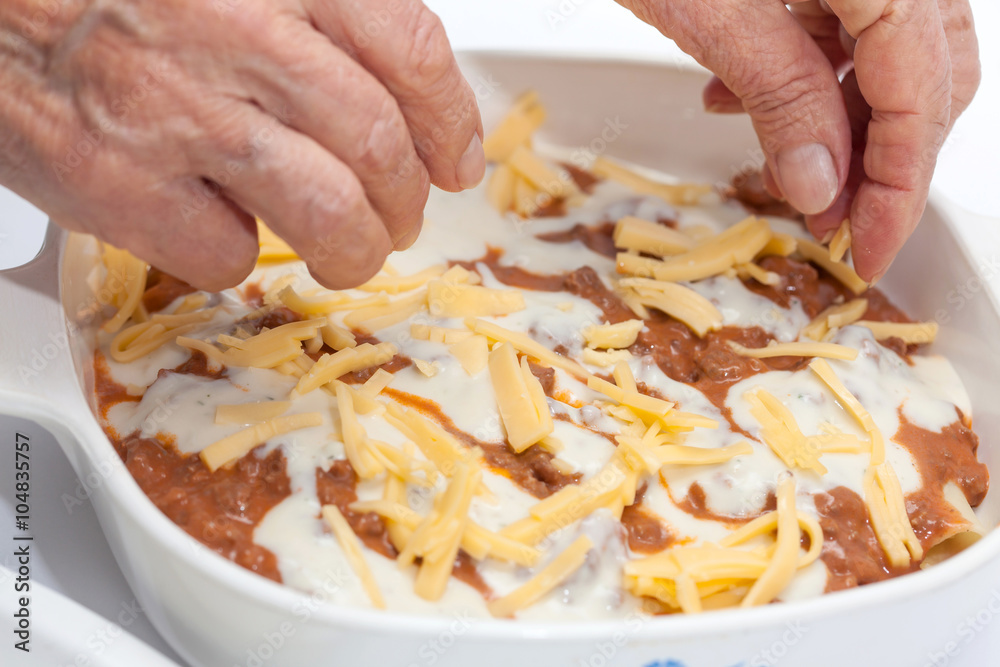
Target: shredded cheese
point(523, 408)
point(541, 176)
point(632, 233)
point(550, 576)
point(684, 194)
point(914, 333)
point(612, 336)
point(817, 254)
point(678, 301)
point(737, 245)
point(781, 433)
point(841, 241)
point(250, 413)
point(776, 349)
point(472, 353)
point(527, 345)
point(525, 116)
point(457, 300)
point(834, 317)
point(351, 545)
point(329, 367)
point(233, 447)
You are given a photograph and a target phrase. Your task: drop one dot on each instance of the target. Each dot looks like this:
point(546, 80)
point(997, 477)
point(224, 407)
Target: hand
point(864, 148)
point(164, 126)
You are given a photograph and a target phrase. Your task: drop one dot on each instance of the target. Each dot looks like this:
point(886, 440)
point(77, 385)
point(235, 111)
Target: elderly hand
point(164, 126)
point(863, 148)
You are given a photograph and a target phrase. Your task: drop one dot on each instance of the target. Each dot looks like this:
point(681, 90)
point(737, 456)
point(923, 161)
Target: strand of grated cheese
point(782, 567)
point(525, 116)
point(439, 446)
point(892, 526)
point(250, 413)
point(834, 317)
point(329, 367)
point(840, 243)
point(125, 282)
point(781, 433)
point(394, 493)
point(572, 503)
point(472, 353)
point(527, 345)
point(678, 301)
point(738, 244)
point(458, 300)
point(233, 447)
point(524, 411)
point(396, 284)
point(438, 537)
point(605, 358)
point(555, 573)
point(436, 334)
point(326, 302)
point(749, 270)
point(353, 435)
point(914, 333)
point(804, 349)
point(768, 523)
point(612, 336)
point(477, 541)
point(632, 233)
point(883, 495)
point(817, 254)
point(853, 406)
point(379, 380)
point(781, 244)
point(337, 337)
point(351, 545)
point(500, 188)
point(530, 167)
point(684, 194)
point(373, 318)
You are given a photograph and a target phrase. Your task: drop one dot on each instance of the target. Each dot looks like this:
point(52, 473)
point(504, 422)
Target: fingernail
point(409, 238)
point(808, 177)
point(878, 276)
point(721, 107)
point(472, 165)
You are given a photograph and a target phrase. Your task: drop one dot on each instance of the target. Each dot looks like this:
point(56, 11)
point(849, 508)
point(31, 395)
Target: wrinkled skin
point(864, 148)
point(164, 126)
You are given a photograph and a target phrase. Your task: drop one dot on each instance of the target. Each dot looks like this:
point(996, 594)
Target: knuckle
point(429, 62)
point(386, 141)
point(794, 101)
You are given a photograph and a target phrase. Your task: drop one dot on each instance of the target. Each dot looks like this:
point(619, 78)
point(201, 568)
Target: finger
point(404, 45)
point(902, 64)
point(322, 93)
point(825, 29)
point(859, 113)
point(312, 200)
point(187, 228)
point(787, 85)
point(963, 46)
point(770, 185)
point(719, 99)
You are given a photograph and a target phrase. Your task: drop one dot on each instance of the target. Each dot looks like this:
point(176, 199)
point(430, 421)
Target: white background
point(70, 553)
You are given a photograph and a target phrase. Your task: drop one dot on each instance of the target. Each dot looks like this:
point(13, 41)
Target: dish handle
point(37, 378)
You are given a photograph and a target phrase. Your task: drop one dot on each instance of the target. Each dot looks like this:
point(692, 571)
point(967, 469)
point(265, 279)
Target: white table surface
point(71, 555)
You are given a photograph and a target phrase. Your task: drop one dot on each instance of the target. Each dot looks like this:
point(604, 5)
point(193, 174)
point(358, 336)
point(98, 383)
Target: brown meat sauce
point(221, 509)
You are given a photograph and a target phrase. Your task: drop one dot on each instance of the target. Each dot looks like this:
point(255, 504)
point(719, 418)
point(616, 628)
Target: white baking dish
point(215, 613)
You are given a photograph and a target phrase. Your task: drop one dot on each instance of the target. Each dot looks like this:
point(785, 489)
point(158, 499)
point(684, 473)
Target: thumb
point(786, 85)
